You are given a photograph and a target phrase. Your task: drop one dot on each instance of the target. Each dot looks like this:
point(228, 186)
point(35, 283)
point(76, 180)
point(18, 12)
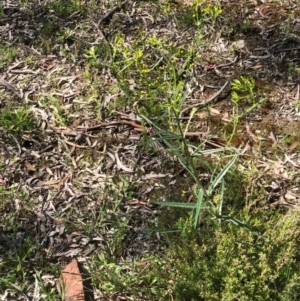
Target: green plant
point(15, 267)
point(98, 55)
point(188, 156)
point(214, 263)
point(64, 9)
point(213, 11)
point(287, 29)
point(231, 263)
point(7, 54)
point(243, 89)
point(292, 67)
point(168, 128)
point(66, 35)
point(198, 13)
point(242, 94)
point(146, 77)
point(47, 292)
point(17, 121)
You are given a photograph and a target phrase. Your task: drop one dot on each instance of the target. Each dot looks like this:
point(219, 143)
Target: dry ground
point(89, 166)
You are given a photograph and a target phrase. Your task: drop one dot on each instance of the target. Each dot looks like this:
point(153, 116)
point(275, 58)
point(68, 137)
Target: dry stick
point(22, 71)
point(109, 15)
point(9, 86)
point(209, 100)
point(76, 145)
point(195, 134)
point(105, 19)
point(228, 64)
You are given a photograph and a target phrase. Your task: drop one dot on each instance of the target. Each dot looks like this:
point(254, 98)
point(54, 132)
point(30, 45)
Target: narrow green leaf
point(198, 206)
point(179, 205)
point(219, 177)
point(237, 223)
point(183, 98)
point(221, 196)
point(181, 158)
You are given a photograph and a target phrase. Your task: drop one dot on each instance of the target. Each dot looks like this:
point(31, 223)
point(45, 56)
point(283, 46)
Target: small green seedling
point(243, 89)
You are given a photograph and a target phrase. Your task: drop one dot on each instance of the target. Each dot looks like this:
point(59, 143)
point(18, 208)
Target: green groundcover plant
point(215, 263)
point(17, 120)
point(232, 263)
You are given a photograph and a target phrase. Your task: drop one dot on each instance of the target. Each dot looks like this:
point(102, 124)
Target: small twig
point(208, 101)
point(109, 15)
point(22, 71)
point(288, 49)
point(99, 126)
point(195, 134)
point(104, 38)
point(10, 87)
point(228, 64)
point(105, 19)
point(214, 144)
point(17, 143)
point(260, 57)
point(76, 145)
point(135, 125)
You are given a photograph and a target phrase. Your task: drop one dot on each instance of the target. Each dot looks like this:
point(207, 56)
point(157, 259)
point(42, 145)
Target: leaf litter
point(80, 154)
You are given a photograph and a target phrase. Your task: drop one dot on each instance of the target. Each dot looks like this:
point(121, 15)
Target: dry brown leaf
point(30, 166)
point(272, 137)
point(75, 145)
point(290, 195)
point(62, 181)
point(202, 115)
point(240, 44)
point(120, 165)
point(51, 182)
point(294, 145)
point(214, 112)
point(258, 66)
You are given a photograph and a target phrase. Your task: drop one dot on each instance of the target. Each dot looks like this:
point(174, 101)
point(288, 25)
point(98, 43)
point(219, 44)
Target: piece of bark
point(73, 284)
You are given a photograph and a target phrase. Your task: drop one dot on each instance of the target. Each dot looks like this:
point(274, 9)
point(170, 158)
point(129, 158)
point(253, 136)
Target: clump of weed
point(17, 121)
point(243, 89)
point(147, 78)
point(197, 13)
point(289, 140)
point(245, 99)
point(63, 8)
point(233, 263)
point(8, 54)
point(212, 262)
point(60, 114)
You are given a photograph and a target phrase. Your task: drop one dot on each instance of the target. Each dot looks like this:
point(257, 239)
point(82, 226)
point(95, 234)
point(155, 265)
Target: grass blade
point(221, 196)
point(220, 176)
point(180, 205)
point(198, 206)
point(237, 223)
